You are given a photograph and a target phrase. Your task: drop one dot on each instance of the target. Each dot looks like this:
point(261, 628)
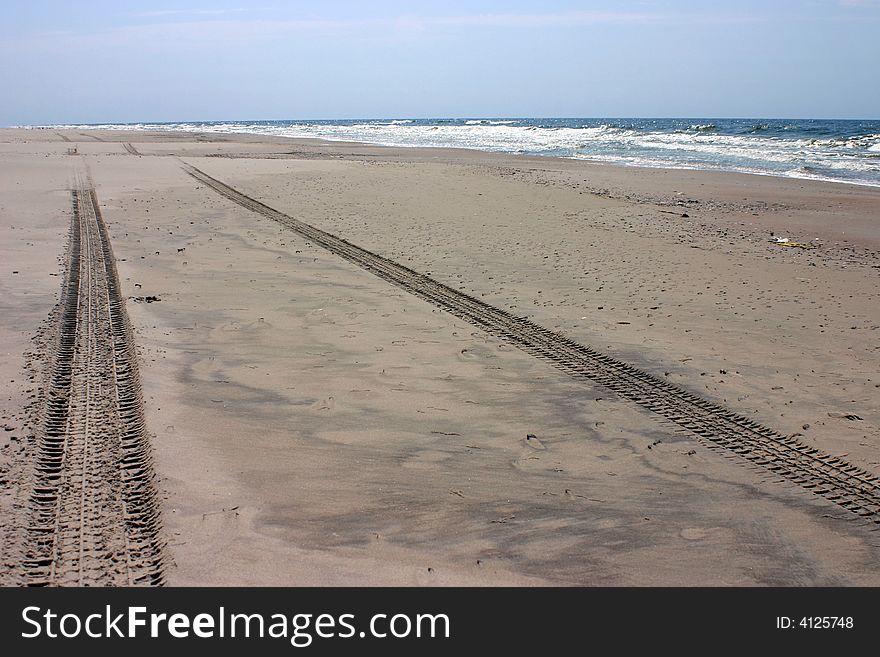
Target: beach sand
point(313, 424)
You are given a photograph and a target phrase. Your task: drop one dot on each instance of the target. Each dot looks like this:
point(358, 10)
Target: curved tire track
point(93, 511)
point(834, 479)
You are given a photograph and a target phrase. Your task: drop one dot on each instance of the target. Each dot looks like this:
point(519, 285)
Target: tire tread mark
point(93, 510)
point(831, 477)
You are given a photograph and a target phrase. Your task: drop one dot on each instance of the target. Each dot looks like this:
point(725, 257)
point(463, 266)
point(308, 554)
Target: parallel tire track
point(830, 477)
point(131, 149)
point(93, 511)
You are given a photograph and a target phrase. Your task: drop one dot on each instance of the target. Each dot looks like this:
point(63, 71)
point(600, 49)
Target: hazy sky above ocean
point(106, 61)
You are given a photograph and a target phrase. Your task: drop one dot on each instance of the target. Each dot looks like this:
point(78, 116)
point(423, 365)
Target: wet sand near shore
point(313, 424)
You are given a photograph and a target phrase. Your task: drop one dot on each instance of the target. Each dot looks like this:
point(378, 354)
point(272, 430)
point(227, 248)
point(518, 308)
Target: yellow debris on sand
point(796, 245)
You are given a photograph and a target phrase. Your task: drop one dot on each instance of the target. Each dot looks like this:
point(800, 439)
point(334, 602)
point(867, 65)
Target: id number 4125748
point(814, 622)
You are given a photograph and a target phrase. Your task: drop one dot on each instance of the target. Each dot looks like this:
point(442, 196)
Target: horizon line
point(448, 118)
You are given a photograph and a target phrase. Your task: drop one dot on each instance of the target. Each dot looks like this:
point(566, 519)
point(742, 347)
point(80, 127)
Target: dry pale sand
point(315, 425)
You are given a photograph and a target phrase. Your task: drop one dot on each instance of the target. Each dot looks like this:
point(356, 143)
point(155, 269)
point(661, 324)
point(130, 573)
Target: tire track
point(93, 511)
point(830, 477)
point(131, 149)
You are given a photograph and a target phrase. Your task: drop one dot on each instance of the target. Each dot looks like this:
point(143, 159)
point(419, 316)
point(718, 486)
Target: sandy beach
point(311, 423)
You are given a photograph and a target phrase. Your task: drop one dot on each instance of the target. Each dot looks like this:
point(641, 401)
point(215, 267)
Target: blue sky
point(188, 60)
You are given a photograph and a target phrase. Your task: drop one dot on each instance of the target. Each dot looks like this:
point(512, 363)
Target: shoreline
point(328, 140)
point(725, 185)
point(314, 424)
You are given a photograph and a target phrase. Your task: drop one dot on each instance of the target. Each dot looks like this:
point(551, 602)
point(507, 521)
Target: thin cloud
point(184, 12)
point(544, 20)
point(212, 27)
point(415, 22)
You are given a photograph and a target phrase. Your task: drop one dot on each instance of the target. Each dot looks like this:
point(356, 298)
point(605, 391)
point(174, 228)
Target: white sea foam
point(490, 121)
point(695, 146)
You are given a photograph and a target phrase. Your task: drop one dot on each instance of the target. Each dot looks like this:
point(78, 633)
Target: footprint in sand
point(693, 533)
point(325, 404)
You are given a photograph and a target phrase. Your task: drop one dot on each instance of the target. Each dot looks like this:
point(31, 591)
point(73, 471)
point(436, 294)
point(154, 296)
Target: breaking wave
point(845, 151)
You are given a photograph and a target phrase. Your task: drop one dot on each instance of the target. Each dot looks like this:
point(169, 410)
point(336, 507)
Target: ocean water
point(836, 150)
